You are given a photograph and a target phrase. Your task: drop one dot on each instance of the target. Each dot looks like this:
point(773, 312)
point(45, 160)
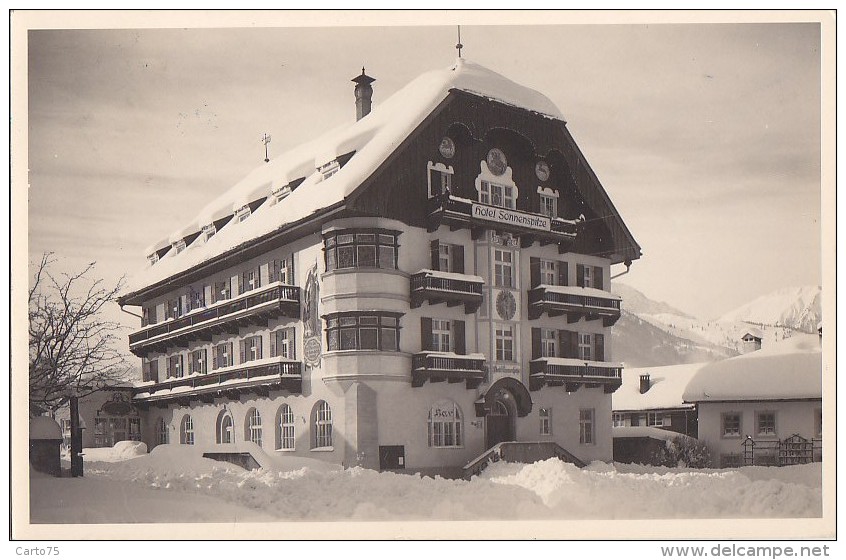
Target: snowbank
point(122, 451)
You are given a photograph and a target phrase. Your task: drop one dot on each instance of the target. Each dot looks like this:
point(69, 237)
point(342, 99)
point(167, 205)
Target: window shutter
point(536, 342)
point(435, 251)
point(243, 346)
point(458, 259)
point(274, 351)
point(190, 362)
point(259, 344)
point(292, 343)
point(563, 273)
point(534, 272)
point(425, 333)
point(291, 280)
point(568, 342)
point(235, 283)
point(580, 275)
point(215, 352)
point(458, 333)
point(599, 347)
point(207, 294)
point(597, 278)
point(230, 351)
point(184, 306)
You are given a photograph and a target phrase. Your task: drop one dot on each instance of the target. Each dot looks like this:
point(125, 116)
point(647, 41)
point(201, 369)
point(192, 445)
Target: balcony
point(436, 367)
point(575, 302)
point(573, 373)
point(453, 289)
point(253, 377)
point(460, 213)
point(252, 308)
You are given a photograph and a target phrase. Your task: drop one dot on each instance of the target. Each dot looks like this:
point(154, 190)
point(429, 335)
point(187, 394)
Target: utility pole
point(76, 438)
point(265, 140)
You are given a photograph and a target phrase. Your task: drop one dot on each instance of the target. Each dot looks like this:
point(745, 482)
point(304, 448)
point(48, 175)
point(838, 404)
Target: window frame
point(545, 418)
point(186, 430)
point(585, 346)
point(287, 428)
point(445, 434)
point(655, 419)
point(587, 426)
point(351, 324)
point(384, 243)
point(491, 191)
point(162, 432)
point(501, 266)
point(618, 420)
point(548, 206)
point(769, 431)
point(322, 424)
point(501, 352)
point(731, 435)
point(225, 428)
point(442, 335)
point(549, 344)
point(548, 272)
point(253, 428)
point(443, 174)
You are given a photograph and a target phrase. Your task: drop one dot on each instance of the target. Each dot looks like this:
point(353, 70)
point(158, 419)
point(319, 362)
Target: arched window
point(225, 427)
point(322, 422)
point(445, 425)
point(186, 433)
point(162, 432)
point(287, 433)
point(253, 427)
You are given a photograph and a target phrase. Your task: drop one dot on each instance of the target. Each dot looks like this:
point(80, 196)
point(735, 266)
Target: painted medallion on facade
point(506, 306)
point(497, 162)
point(447, 147)
point(542, 170)
point(312, 347)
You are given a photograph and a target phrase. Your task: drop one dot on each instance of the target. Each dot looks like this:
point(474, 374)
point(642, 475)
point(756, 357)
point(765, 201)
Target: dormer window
point(154, 258)
point(329, 169)
point(209, 231)
point(548, 202)
point(440, 178)
point(243, 213)
point(179, 246)
point(497, 195)
point(280, 193)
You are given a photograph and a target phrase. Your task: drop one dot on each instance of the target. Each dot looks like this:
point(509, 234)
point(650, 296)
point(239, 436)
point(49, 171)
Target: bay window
point(366, 248)
point(363, 330)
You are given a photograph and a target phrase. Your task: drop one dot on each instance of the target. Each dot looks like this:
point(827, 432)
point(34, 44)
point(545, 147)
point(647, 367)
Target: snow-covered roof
point(788, 369)
point(667, 385)
point(373, 139)
point(754, 333)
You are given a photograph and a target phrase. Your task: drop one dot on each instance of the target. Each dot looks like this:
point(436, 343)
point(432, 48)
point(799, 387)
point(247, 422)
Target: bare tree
point(72, 349)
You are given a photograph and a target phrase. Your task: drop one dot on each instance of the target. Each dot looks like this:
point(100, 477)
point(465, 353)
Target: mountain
point(636, 302)
point(796, 308)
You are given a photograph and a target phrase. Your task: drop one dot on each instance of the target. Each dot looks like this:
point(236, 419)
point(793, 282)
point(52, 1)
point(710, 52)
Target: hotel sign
point(510, 217)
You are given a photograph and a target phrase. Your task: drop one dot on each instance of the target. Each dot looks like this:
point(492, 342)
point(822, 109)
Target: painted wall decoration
point(312, 331)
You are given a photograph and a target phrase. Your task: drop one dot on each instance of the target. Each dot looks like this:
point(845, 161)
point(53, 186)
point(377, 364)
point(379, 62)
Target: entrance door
point(499, 424)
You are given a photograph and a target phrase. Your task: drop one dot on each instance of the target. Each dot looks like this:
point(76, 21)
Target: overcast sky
point(706, 137)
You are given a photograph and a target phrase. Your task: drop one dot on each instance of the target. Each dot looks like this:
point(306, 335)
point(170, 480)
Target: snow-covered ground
point(174, 483)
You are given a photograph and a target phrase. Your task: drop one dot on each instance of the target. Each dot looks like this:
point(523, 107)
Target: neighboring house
point(405, 292)
point(652, 397)
point(764, 407)
point(751, 341)
point(106, 416)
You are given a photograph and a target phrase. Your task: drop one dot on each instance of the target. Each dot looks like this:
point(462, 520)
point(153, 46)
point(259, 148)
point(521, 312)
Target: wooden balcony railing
point(438, 366)
point(544, 299)
point(571, 374)
point(269, 302)
point(258, 378)
point(437, 287)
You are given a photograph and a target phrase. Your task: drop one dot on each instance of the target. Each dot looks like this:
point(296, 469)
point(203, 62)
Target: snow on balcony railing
point(575, 295)
point(426, 279)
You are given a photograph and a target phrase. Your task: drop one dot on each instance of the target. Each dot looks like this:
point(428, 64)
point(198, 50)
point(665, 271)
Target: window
point(444, 257)
point(187, 431)
point(173, 309)
point(179, 246)
point(588, 282)
point(585, 346)
point(197, 362)
point(503, 269)
point(322, 422)
point(135, 429)
point(162, 434)
point(251, 349)
point(731, 424)
point(198, 298)
point(250, 280)
point(549, 342)
point(445, 425)
point(440, 179)
point(586, 427)
point(223, 355)
point(254, 426)
point(545, 421)
point(361, 249)
point(441, 335)
point(99, 432)
point(329, 169)
point(175, 366)
point(618, 419)
point(278, 271)
point(496, 194)
point(362, 331)
point(766, 422)
point(549, 272)
point(287, 439)
point(225, 428)
point(504, 343)
point(154, 258)
point(148, 316)
point(549, 206)
point(243, 213)
point(150, 369)
point(282, 343)
point(221, 290)
point(654, 419)
point(209, 231)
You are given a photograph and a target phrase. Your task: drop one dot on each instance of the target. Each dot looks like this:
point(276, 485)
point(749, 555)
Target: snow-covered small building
point(653, 397)
point(406, 291)
point(751, 341)
point(764, 407)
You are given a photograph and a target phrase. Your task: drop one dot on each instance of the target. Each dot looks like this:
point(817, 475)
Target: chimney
point(644, 383)
point(363, 95)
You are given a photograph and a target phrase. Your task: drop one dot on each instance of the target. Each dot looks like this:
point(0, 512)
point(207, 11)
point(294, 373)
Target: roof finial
point(458, 45)
point(265, 140)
